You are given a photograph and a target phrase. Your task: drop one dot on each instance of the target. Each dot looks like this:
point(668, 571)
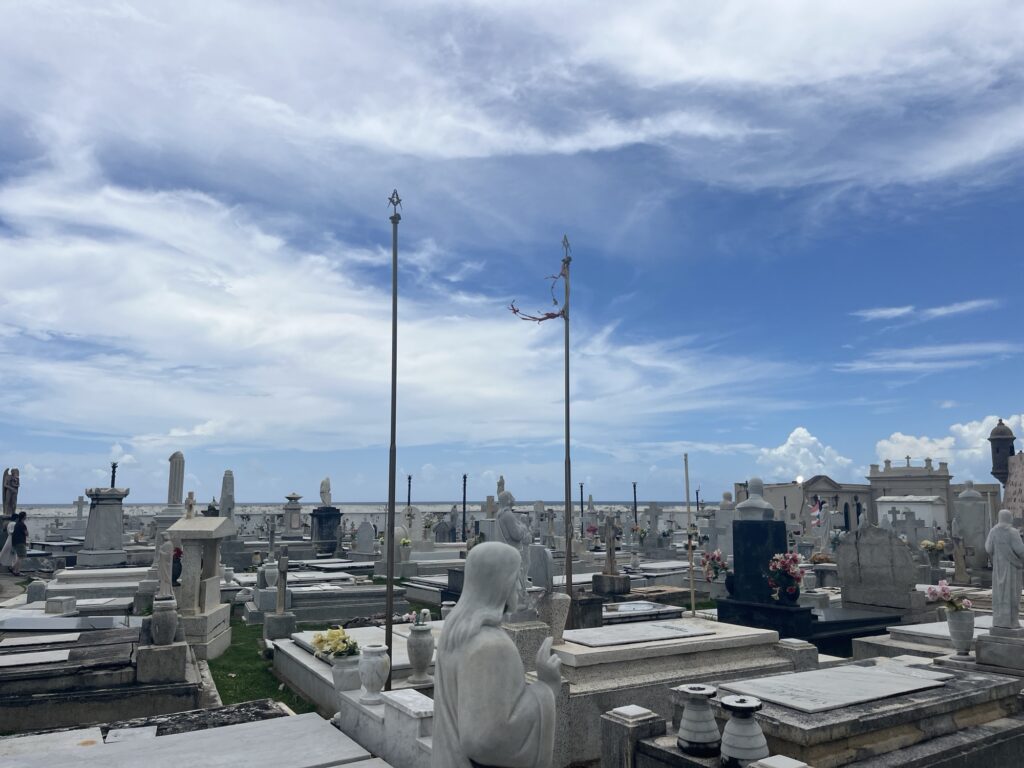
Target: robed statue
point(1005, 547)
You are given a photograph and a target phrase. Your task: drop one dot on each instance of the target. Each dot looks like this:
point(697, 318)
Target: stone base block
point(161, 663)
point(202, 625)
point(527, 636)
point(60, 605)
point(277, 626)
point(995, 651)
point(212, 648)
point(101, 558)
point(606, 584)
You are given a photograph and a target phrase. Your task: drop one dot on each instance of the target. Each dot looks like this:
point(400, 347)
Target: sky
point(796, 241)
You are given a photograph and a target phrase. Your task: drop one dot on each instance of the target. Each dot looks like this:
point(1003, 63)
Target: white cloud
point(931, 313)
point(946, 404)
point(930, 358)
point(802, 454)
point(180, 321)
point(966, 447)
point(883, 313)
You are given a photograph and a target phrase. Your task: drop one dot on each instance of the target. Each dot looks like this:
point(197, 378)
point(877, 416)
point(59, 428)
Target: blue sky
point(796, 235)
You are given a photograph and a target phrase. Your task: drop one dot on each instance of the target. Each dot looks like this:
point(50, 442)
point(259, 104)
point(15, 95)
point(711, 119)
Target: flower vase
point(961, 631)
point(404, 553)
point(698, 731)
point(789, 598)
point(270, 573)
point(374, 666)
point(345, 674)
point(933, 558)
point(743, 741)
point(164, 621)
point(420, 647)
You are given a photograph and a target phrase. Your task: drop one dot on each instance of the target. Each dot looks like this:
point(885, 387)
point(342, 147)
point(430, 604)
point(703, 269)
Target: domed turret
point(1001, 439)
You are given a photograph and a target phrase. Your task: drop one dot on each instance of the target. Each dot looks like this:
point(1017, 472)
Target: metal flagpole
point(389, 604)
point(689, 532)
point(464, 531)
point(581, 511)
point(566, 260)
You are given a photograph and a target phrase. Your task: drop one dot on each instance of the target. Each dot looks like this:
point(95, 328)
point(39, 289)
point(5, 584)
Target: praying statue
point(1005, 547)
point(325, 492)
point(485, 713)
point(515, 532)
point(12, 482)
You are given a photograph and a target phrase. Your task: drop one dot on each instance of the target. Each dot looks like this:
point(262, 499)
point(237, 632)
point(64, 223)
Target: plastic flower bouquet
point(784, 574)
point(952, 601)
point(713, 564)
point(334, 642)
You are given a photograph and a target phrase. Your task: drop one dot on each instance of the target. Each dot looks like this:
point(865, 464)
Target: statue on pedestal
point(515, 532)
point(325, 492)
point(484, 711)
point(1005, 547)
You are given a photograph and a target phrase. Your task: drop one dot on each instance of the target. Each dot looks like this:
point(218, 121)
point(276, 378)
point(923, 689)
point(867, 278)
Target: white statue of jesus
point(1005, 547)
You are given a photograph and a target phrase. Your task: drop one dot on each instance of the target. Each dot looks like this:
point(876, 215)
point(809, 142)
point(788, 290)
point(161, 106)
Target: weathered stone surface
point(278, 625)
point(161, 663)
point(876, 568)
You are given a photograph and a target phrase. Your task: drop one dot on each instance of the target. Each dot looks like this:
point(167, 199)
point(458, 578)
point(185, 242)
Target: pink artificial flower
point(967, 603)
point(791, 590)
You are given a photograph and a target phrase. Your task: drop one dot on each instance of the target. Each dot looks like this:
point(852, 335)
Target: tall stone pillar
point(175, 494)
point(227, 495)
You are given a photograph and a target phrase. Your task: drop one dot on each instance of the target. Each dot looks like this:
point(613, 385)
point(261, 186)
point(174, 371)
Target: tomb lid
point(203, 528)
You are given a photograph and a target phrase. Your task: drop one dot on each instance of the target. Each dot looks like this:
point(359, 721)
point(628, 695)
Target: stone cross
point(282, 578)
point(79, 506)
point(164, 564)
point(190, 505)
point(610, 566)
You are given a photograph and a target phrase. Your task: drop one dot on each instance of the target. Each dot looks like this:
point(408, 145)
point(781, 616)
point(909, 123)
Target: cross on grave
point(79, 506)
point(610, 566)
point(282, 579)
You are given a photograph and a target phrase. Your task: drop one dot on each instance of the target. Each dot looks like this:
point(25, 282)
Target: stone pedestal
point(104, 532)
point(621, 729)
point(293, 528)
point(278, 626)
point(755, 542)
point(1001, 648)
point(585, 612)
point(204, 620)
point(161, 663)
point(325, 529)
point(527, 636)
point(606, 584)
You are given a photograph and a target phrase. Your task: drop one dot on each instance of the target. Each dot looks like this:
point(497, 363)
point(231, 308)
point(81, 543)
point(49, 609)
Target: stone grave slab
point(644, 632)
point(936, 632)
point(57, 624)
point(34, 657)
point(51, 743)
point(826, 689)
point(301, 741)
point(16, 642)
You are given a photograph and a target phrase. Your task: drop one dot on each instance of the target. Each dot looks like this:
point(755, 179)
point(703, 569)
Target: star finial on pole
point(395, 201)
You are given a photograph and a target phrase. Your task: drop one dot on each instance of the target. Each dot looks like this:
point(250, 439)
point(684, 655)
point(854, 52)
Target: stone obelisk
point(175, 494)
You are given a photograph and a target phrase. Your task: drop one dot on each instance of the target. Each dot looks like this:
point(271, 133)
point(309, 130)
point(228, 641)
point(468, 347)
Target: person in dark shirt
point(19, 543)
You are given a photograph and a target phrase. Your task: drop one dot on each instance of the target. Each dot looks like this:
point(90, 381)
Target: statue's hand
point(549, 667)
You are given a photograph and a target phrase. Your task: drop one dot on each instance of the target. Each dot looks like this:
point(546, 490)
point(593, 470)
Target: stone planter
point(698, 730)
point(404, 553)
point(743, 741)
point(961, 632)
point(345, 673)
point(270, 573)
point(164, 621)
point(374, 666)
point(420, 647)
point(447, 606)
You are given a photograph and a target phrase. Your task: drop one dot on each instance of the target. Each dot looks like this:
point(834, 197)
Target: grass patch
point(241, 674)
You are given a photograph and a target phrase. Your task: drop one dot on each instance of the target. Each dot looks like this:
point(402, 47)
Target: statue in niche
point(515, 532)
point(1005, 547)
point(485, 714)
point(325, 492)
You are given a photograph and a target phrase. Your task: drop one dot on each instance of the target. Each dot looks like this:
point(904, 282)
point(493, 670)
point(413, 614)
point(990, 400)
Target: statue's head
point(489, 587)
point(1005, 516)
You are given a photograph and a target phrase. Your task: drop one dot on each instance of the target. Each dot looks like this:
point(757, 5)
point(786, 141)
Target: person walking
point(19, 543)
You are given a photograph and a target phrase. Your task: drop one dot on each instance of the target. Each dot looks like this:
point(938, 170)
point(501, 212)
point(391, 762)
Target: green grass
point(241, 674)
